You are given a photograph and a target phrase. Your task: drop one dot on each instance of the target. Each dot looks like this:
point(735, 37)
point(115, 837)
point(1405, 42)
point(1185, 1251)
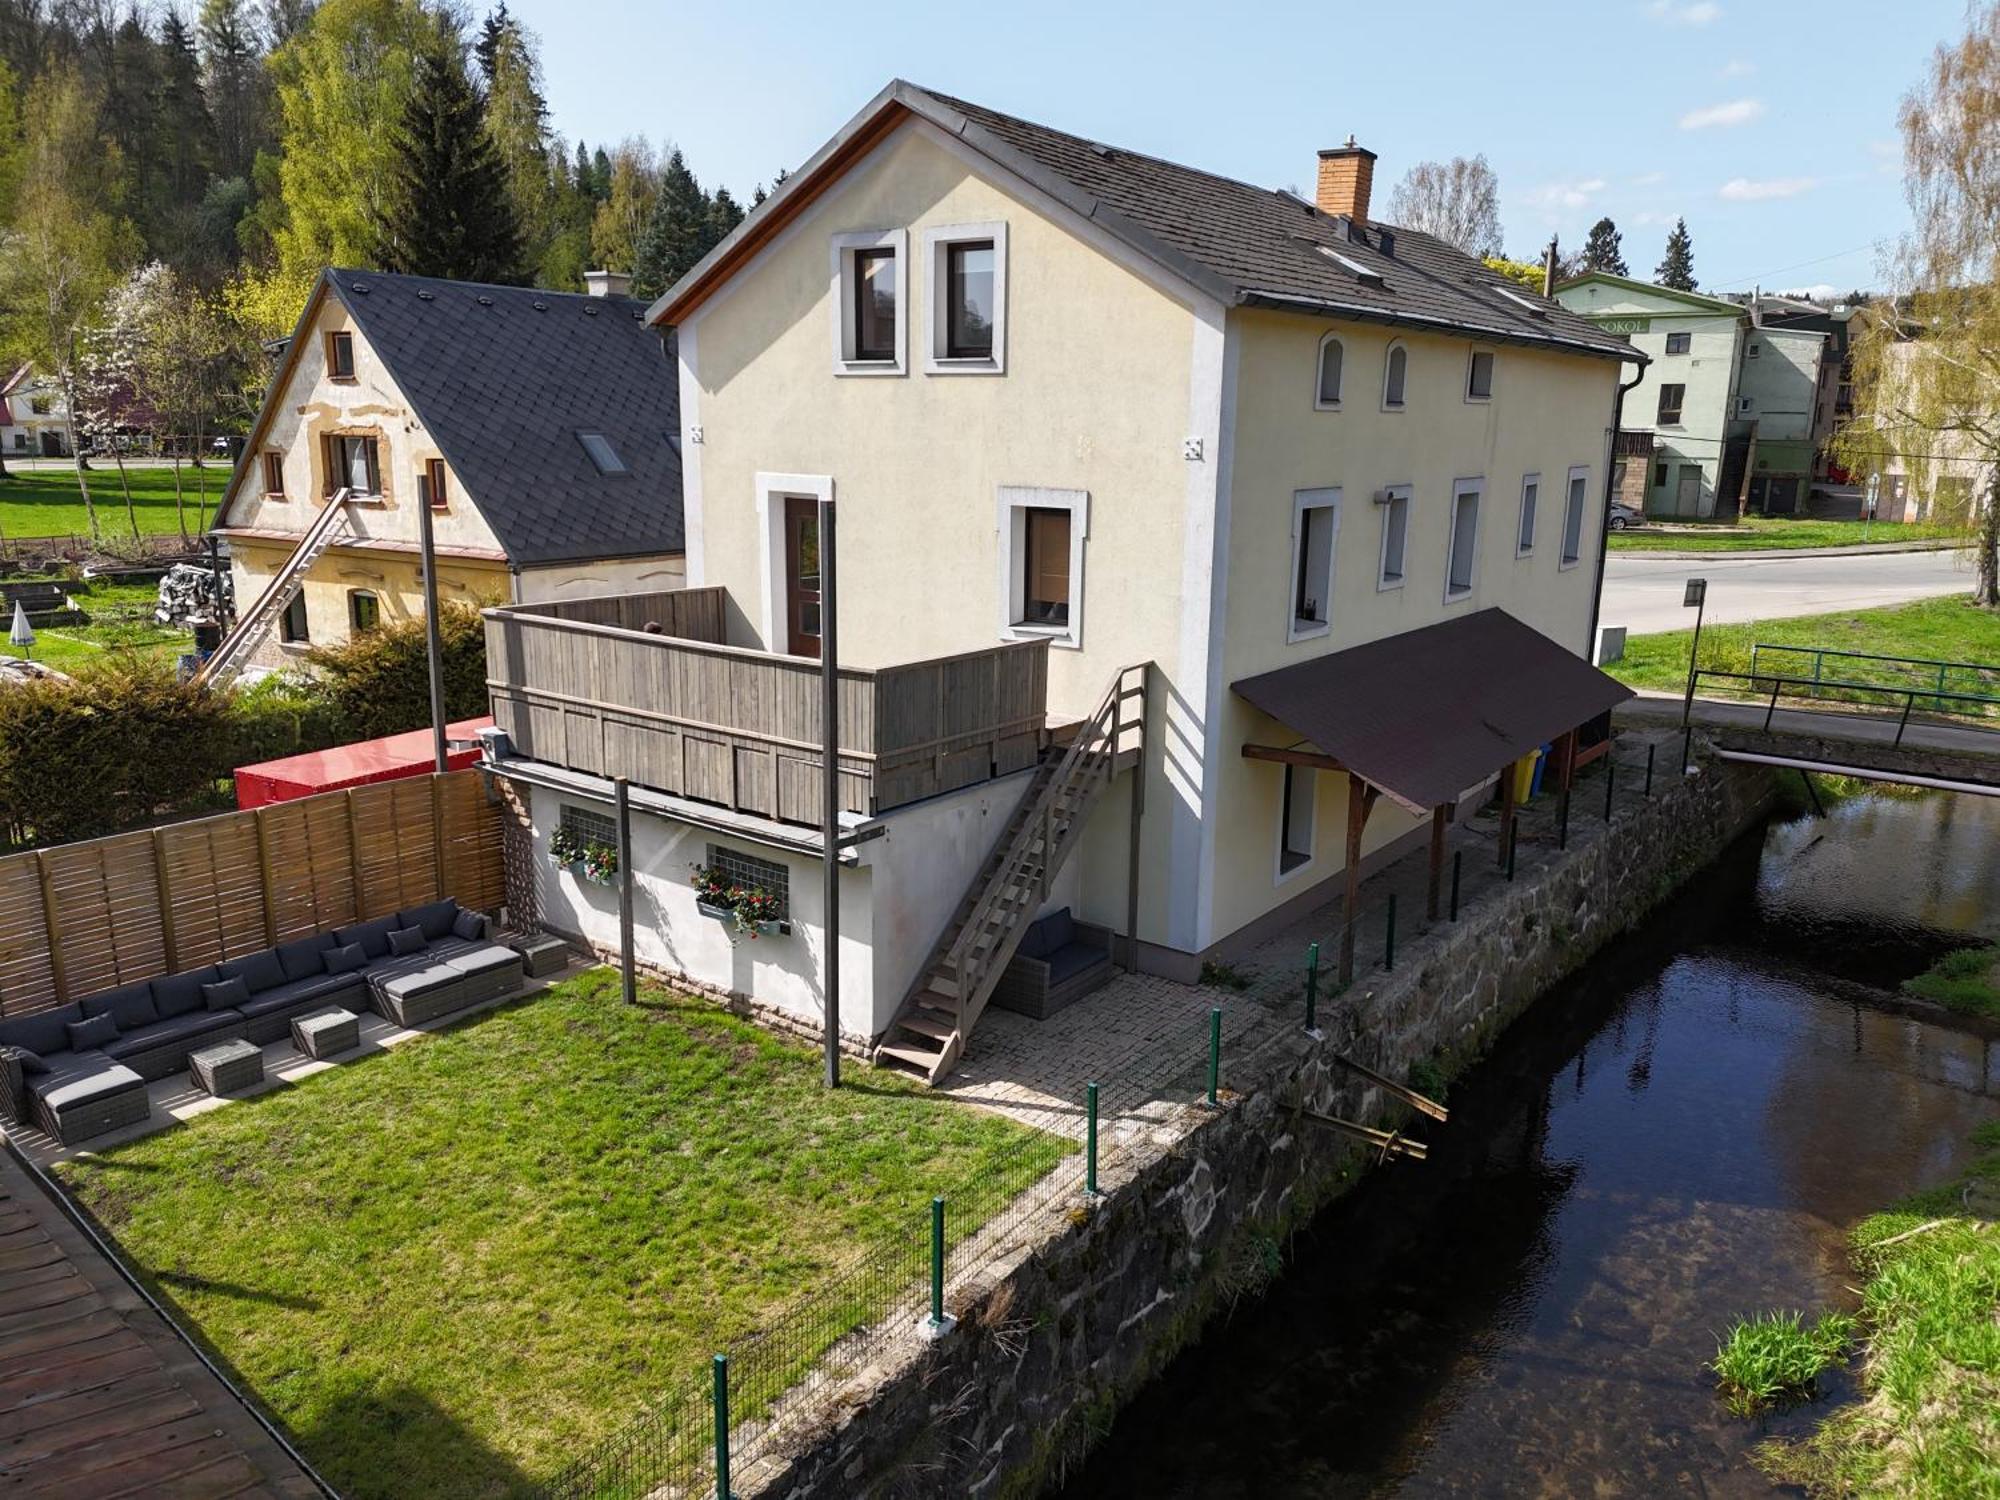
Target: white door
point(1687, 500)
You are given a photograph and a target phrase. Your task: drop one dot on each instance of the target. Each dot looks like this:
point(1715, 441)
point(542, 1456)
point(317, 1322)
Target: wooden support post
point(1360, 799)
point(164, 885)
point(50, 926)
point(264, 877)
point(1506, 810)
point(354, 855)
point(1440, 816)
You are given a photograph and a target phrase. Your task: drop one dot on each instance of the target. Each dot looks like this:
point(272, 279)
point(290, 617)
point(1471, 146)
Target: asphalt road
point(1644, 593)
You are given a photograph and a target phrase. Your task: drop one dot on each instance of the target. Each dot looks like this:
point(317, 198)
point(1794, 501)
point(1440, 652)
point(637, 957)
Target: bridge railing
point(1865, 669)
point(1923, 703)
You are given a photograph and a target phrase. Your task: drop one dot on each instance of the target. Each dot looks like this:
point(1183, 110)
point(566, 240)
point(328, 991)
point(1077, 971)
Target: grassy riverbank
point(1947, 629)
point(1928, 1424)
point(1764, 533)
point(1966, 980)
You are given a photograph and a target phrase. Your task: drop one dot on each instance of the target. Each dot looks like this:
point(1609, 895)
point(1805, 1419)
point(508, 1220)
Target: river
point(1679, 1135)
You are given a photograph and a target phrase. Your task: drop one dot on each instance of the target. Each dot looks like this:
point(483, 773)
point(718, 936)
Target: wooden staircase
point(228, 658)
point(929, 1033)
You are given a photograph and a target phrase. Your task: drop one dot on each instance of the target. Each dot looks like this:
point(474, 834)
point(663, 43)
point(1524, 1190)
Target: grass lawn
point(1764, 533)
point(121, 622)
point(45, 502)
point(450, 1267)
point(1966, 980)
point(1946, 629)
point(1928, 1423)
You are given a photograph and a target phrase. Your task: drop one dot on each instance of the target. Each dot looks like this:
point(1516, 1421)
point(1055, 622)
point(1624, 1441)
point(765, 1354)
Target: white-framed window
point(966, 312)
point(1395, 375)
point(1462, 555)
point(1576, 496)
point(1327, 370)
point(1042, 532)
point(1479, 375)
point(1531, 498)
point(1315, 526)
point(1395, 504)
point(871, 299)
point(1296, 818)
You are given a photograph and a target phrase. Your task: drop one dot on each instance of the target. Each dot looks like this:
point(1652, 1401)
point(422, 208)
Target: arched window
point(1326, 390)
point(1395, 372)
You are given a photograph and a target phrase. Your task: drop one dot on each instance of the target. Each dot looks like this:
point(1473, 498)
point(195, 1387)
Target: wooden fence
point(79, 918)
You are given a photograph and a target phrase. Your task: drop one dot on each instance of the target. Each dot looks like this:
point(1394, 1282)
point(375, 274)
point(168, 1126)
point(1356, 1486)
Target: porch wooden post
point(1440, 818)
point(1360, 798)
point(1506, 811)
point(1566, 750)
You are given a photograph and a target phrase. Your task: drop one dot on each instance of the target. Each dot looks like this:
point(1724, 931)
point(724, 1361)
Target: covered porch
point(1426, 718)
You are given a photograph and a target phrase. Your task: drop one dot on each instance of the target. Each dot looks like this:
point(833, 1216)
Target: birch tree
point(1458, 201)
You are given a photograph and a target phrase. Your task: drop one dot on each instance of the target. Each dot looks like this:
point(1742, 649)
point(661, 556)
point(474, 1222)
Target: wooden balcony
point(641, 686)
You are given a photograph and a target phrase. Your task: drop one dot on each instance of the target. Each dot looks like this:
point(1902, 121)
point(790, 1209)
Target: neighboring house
point(1944, 480)
point(539, 427)
point(37, 417)
point(1332, 492)
point(1731, 402)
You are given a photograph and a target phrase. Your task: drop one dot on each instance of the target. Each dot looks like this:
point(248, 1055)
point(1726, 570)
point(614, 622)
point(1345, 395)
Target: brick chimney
point(1346, 173)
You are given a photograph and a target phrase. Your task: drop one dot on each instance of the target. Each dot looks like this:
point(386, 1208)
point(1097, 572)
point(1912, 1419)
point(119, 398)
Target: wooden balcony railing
point(640, 686)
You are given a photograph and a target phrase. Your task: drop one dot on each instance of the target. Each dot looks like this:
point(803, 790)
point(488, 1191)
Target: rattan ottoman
point(227, 1066)
point(541, 956)
point(326, 1033)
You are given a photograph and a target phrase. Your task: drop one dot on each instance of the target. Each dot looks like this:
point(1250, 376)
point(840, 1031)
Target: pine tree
point(680, 230)
point(448, 213)
point(1604, 250)
point(233, 81)
point(494, 32)
point(724, 214)
point(1677, 269)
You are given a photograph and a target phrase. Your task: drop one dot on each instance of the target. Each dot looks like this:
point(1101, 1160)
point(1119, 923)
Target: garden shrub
point(378, 683)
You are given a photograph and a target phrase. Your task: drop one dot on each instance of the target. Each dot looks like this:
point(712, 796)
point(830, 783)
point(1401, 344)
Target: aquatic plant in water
point(1777, 1356)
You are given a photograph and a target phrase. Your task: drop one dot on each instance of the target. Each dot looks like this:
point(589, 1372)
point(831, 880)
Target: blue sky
point(1769, 124)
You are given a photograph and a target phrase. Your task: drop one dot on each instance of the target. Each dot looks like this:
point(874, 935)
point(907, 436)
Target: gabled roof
point(1242, 244)
point(1665, 293)
point(504, 378)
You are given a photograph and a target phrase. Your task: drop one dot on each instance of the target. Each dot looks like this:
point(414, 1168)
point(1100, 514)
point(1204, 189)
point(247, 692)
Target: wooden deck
point(99, 1397)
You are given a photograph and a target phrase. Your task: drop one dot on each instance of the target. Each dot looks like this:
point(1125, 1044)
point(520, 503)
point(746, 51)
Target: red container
point(366, 761)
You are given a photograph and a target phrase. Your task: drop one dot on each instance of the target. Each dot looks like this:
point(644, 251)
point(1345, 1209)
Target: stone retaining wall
point(1057, 1330)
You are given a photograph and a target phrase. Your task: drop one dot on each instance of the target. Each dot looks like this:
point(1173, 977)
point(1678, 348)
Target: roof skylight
point(601, 453)
point(1536, 309)
point(1367, 275)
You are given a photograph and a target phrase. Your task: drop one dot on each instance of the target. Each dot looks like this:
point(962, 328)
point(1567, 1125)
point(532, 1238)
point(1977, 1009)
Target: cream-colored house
point(539, 428)
point(1091, 422)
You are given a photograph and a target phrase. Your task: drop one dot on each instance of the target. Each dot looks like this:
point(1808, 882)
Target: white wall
point(621, 575)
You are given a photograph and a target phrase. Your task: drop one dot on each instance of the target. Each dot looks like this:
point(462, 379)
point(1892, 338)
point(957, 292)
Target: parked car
point(1623, 516)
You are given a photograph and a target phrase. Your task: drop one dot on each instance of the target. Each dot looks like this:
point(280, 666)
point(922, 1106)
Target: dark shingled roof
point(1244, 244)
point(504, 377)
point(1428, 713)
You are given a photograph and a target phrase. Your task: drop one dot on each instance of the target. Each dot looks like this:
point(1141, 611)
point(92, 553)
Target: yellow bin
point(1524, 773)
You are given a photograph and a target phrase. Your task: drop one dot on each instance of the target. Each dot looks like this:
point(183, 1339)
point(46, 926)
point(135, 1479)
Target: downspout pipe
point(1604, 528)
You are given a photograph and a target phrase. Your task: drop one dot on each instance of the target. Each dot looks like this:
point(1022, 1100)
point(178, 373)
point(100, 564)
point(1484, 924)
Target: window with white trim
point(1042, 535)
point(1295, 818)
point(1395, 504)
point(1327, 373)
point(1315, 525)
point(870, 298)
point(1462, 555)
point(1395, 376)
point(966, 312)
point(1531, 496)
point(1578, 497)
point(1479, 376)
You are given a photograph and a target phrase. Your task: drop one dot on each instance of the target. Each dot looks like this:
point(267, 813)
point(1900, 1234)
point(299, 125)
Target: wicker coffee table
point(227, 1066)
point(326, 1033)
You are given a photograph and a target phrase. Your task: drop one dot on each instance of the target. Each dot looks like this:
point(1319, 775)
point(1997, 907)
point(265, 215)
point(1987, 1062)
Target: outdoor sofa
point(81, 1069)
point(1060, 960)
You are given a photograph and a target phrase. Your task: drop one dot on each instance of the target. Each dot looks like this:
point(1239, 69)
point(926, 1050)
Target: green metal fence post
point(1457, 860)
point(937, 1264)
point(1214, 1054)
point(1389, 942)
point(1090, 1142)
point(722, 1491)
point(1312, 989)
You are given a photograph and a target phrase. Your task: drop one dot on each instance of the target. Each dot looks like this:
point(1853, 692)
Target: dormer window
point(871, 283)
point(1326, 386)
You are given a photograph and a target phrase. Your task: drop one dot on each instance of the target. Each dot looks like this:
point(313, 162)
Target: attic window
point(1366, 275)
point(598, 446)
point(1535, 309)
point(340, 354)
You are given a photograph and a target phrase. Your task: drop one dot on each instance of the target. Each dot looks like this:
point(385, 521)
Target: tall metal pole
point(627, 958)
point(829, 700)
point(433, 646)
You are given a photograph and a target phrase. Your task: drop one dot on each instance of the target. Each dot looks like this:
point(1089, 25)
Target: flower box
point(721, 913)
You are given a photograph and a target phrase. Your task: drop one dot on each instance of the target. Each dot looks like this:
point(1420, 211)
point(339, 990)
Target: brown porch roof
point(1427, 714)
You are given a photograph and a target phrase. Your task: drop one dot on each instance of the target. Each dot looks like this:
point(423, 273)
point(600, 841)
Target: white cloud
point(1819, 291)
point(1735, 112)
point(1744, 190)
point(1698, 13)
point(1568, 194)
point(1649, 216)
point(1737, 67)
point(1649, 179)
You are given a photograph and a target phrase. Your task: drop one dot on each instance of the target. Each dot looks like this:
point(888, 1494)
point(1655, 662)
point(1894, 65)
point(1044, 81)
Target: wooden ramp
point(99, 1396)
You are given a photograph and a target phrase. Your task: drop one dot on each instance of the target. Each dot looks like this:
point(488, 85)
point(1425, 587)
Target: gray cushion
point(130, 1005)
point(421, 981)
point(31, 1062)
point(42, 1031)
point(406, 940)
point(470, 925)
point(261, 970)
point(91, 1032)
point(483, 959)
point(1067, 963)
point(346, 959)
point(82, 1078)
point(349, 990)
point(177, 994)
point(225, 994)
point(1057, 931)
point(433, 918)
point(182, 1031)
point(372, 936)
point(303, 957)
